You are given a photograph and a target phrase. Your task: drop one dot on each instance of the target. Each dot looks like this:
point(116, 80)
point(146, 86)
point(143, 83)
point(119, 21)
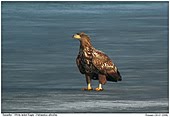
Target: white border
point(92, 114)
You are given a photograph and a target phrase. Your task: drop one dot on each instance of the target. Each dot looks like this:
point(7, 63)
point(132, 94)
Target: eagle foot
point(99, 89)
point(87, 89)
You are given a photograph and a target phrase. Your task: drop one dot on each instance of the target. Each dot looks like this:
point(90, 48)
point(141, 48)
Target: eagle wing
point(79, 65)
point(105, 66)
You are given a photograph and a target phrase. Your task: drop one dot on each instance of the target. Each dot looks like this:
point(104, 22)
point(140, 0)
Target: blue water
point(39, 72)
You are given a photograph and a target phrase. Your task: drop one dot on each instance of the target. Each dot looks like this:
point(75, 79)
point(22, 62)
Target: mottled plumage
point(95, 64)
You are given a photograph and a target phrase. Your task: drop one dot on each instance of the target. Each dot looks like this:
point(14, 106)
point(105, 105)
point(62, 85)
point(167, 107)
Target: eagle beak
point(76, 36)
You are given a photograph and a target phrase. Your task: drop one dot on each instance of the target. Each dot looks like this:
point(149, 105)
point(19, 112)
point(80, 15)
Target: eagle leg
point(88, 81)
point(102, 80)
point(99, 88)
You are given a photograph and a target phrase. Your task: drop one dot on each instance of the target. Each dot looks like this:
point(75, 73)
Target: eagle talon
point(87, 89)
point(99, 89)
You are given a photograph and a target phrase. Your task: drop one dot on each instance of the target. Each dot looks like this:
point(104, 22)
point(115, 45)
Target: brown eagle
point(95, 64)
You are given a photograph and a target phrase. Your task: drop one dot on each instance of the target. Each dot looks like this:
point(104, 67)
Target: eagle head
point(80, 36)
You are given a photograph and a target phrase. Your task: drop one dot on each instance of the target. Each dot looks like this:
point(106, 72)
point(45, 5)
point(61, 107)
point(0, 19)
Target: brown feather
point(94, 62)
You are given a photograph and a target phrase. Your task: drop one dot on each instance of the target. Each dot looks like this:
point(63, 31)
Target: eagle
point(94, 64)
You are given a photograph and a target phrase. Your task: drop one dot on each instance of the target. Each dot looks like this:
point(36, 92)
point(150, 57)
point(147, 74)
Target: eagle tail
point(114, 76)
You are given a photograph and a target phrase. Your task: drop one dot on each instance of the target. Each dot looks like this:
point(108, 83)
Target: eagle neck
point(85, 43)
